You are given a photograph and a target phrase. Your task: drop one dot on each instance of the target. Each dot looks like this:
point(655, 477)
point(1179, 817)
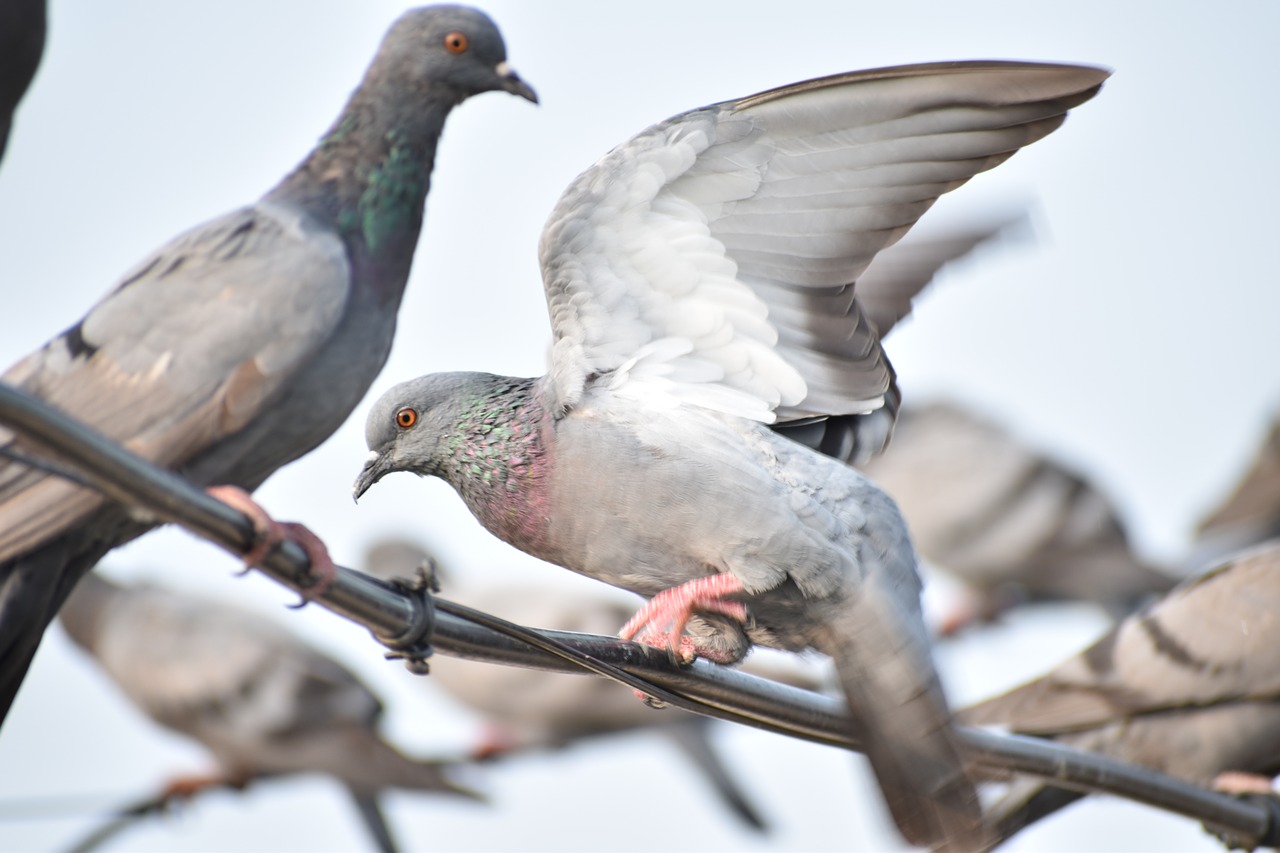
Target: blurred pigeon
point(1189, 686)
point(1252, 513)
point(244, 343)
point(22, 34)
point(700, 285)
point(264, 703)
point(1011, 523)
point(526, 709)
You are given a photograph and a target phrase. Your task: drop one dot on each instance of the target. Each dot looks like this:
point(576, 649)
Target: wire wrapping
point(702, 687)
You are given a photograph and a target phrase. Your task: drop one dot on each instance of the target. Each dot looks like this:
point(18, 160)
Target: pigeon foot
point(268, 533)
point(1235, 782)
point(662, 620)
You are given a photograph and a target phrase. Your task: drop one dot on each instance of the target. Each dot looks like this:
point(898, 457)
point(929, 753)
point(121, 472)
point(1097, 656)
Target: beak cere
point(373, 471)
point(512, 83)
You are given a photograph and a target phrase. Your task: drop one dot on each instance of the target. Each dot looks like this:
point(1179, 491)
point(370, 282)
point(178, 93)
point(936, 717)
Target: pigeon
point(1251, 514)
point(525, 709)
point(22, 35)
point(1189, 686)
point(244, 343)
point(258, 698)
point(1010, 522)
point(700, 283)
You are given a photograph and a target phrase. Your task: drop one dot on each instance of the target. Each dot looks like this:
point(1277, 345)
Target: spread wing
point(190, 348)
point(711, 260)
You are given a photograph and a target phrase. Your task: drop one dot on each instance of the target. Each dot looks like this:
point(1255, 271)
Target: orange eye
point(455, 42)
point(406, 417)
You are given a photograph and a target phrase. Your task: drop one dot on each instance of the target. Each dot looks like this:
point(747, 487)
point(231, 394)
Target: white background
point(1137, 339)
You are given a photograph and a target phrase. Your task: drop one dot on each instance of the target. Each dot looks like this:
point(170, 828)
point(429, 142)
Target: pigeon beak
point(512, 83)
point(375, 468)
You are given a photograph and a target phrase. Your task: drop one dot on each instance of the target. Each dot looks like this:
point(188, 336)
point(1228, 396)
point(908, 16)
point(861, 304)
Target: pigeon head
point(426, 424)
point(451, 47)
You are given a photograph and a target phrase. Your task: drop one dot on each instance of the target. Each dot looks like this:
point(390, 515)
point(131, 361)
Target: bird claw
point(268, 533)
point(674, 607)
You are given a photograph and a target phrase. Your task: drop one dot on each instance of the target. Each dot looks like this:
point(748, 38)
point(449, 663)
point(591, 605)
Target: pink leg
point(661, 622)
point(1234, 782)
point(270, 533)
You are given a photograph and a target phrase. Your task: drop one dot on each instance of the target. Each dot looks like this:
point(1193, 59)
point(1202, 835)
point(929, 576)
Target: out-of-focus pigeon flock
point(722, 427)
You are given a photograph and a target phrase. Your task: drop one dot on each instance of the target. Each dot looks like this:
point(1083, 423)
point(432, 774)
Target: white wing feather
point(710, 260)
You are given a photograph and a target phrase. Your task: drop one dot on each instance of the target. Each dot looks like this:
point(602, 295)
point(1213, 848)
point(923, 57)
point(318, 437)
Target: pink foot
point(269, 533)
point(186, 787)
point(494, 742)
point(1234, 782)
point(661, 622)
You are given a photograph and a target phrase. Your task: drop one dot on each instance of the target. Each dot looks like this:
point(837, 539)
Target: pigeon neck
point(369, 175)
point(499, 458)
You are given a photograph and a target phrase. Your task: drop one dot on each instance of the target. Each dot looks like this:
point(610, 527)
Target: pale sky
point(1137, 339)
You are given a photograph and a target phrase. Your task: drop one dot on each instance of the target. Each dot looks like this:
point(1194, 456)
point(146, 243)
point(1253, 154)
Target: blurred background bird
point(22, 35)
point(1189, 686)
point(1012, 524)
point(261, 701)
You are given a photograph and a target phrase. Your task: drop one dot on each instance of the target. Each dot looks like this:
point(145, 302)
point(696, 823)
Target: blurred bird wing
point(711, 259)
point(1214, 639)
point(185, 352)
point(190, 662)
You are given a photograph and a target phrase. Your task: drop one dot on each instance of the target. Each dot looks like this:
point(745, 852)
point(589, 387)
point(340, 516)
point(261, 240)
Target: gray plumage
point(1010, 522)
point(526, 709)
point(1189, 686)
point(245, 342)
point(261, 701)
point(700, 284)
point(22, 35)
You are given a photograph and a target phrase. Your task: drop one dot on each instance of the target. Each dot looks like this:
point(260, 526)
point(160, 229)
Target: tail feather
point(691, 737)
point(895, 698)
point(1027, 802)
point(374, 820)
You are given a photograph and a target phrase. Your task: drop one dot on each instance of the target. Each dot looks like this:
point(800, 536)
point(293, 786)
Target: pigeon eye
point(406, 417)
point(455, 42)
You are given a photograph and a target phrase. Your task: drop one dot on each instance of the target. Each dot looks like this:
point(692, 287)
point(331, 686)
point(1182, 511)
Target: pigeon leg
point(186, 787)
point(270, 533)
point(1235, 782)
point(672, 608)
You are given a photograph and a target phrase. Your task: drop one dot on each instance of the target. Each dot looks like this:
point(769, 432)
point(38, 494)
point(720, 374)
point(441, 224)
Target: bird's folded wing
point(711, 259)
point(186, 351)
point(182, 658)
point(1214, 639)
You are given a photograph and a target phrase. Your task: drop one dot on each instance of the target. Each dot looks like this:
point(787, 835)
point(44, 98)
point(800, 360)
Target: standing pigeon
point(525, 709)
point(1190, 687)
point(1011, 523)
point(244, 343)
point(264, 703)
point(700, 284)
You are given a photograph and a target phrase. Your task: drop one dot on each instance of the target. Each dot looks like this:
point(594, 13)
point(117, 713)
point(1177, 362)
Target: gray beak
point(512, 83)
point(375, 468)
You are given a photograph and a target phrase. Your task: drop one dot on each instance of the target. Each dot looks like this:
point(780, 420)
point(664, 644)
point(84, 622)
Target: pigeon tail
point(692, 737)
point(903, 721)
point(375, 821)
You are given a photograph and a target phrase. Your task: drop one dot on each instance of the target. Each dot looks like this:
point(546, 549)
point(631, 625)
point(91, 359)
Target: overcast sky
point(1136, 339)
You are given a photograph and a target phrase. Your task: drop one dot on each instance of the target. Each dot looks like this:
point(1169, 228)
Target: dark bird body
point(245, 342)
point(700, 284)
